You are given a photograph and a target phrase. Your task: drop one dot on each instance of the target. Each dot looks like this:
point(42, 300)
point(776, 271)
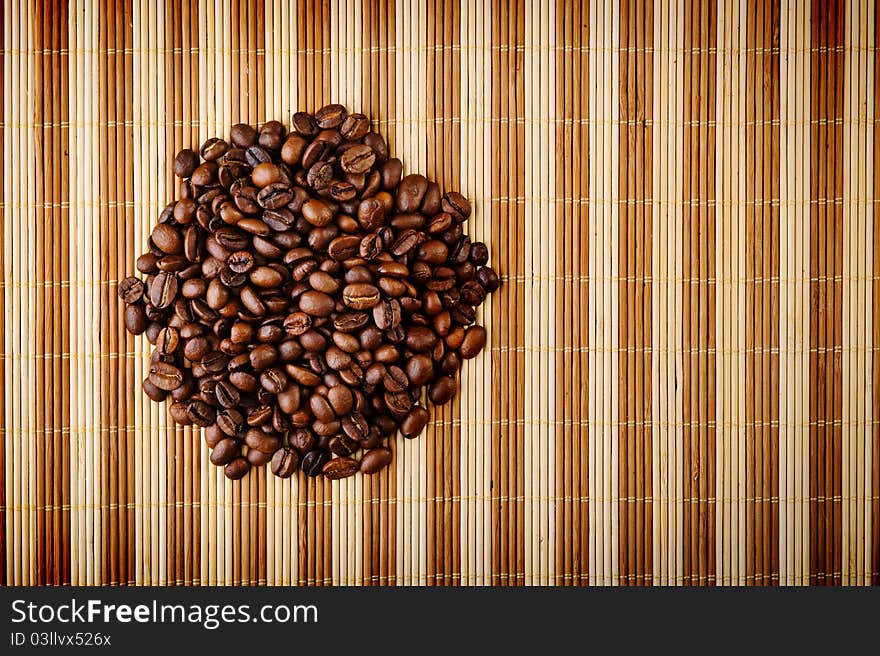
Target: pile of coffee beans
point(301, 293)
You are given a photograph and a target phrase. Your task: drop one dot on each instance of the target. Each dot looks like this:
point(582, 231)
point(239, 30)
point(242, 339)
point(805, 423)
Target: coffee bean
point(340, 468)
point(313, 461)
point(243, 135)
point(225, 451)
point(237, 469)
point(354, 127)
point(358, 159)
point(284, 462)
point(360, 296)
point(185, 162)
point(414, 422)
point(375, 460)
point(135, 319)
point(473, 343)
point(165, 376)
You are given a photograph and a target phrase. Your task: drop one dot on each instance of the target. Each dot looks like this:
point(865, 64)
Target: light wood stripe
point(794, 300)
point(666, 268)
point(857, 302)
point(603, 304)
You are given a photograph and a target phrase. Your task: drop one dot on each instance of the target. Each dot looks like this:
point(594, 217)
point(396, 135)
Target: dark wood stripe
point(635, 134)
point(443, 436)
point(762, 296)
point(875, 429)
point(698, 295)
point(826, 256)
point(183, 485)
point(315, 496)
point(379, 520)
point(248, 76)
point(507, 305)
point(52, 401)
point(572, 243)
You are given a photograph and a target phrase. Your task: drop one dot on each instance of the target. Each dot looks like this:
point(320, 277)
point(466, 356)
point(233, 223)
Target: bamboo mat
point(682, 384)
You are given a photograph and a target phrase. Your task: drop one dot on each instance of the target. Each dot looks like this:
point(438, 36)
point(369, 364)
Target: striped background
point(683, 379)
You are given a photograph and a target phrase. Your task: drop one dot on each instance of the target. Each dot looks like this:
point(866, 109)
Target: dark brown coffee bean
point(370, 214)
point(419, 370)
point(304, 124)
point(273, 380)
point(317, 212)
point(302, 375)
point(243, 135)
point(360, 296)
point(255, 438)
point(227, 394)
point(284, 462)
point(354, 127)
point(237, 469)
point(275, 195)
point(442, 390)
point(163, 290)
point(271, 135)
point(293, 148)
point(200, 413)
point(473, 343)
point(432, 252)
point(340, 399)
point(131, 290)
point(165, 376)
point(330, 116)
point(316, 304)
point(230, 421)
point(167, 238)
point(355, 426)
point(226, 450)
point(185, 162)
point(135, 319)
point(313, 462)
point(213, 148)
point(457, 205)
point(343, 247)
point(358, 159)
point(375, 460)
point(414, 422)
point(340, 468)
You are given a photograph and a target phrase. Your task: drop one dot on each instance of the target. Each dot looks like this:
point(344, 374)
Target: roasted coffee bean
point(185, 162)
point(237, 468)
point(165, 376)
point(226, 450)
point(313, 461)
point(284, 462)
point(340, 468)
point(135, 319)
point(473, 343)
point(414, 422)
point(305, 124)
point(360, 296)
point(243, 135)
point(442, 390)
point(131, 290)
point(375, 460)
point(200, 413)
point(354, 127)
point(271, 135)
